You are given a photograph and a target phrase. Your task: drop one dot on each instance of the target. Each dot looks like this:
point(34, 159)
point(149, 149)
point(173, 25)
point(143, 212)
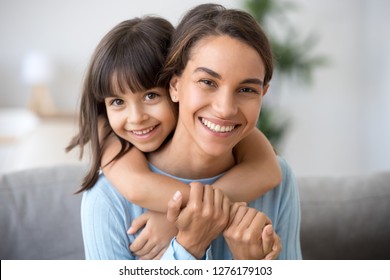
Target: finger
point(276, 248)
point(159, 254)
point(225, 211)
point(226, 205)
point(150, 253)
point(138, 243)
point(247, 219)
point(240, 213)
point(268, 239)
point(174, 206)
point(218, 198)
point(208, 196)
point(146, 249)
point(196, 194)
point(233, 210)
point(138, 223)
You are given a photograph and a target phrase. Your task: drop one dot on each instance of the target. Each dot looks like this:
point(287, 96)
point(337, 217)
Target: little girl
point(125, 113)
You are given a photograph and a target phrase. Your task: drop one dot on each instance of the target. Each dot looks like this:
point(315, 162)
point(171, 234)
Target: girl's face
point(219, 93)
point(144, 119)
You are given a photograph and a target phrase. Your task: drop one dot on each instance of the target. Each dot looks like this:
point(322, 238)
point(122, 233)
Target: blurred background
point(327, 112)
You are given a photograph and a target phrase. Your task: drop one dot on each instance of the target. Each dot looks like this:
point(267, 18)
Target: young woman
point(117, 85)
point(219, 68)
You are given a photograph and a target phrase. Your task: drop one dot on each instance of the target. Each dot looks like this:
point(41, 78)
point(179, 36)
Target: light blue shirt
point(106, 216)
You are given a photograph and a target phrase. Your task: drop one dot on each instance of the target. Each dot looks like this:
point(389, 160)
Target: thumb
point(138, 223)
point(174, 206)
point(268, 239)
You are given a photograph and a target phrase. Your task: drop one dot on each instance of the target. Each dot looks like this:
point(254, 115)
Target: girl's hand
point(250, 236)
point(202, 220)
point(154, 238)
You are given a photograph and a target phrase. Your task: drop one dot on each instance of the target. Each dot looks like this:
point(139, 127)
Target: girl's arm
point(257, 167)
point(131, 175)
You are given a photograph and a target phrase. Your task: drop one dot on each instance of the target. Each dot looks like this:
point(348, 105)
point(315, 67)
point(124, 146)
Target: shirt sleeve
point(177, 252)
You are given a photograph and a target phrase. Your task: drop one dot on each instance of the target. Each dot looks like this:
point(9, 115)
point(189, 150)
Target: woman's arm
point(257, 169)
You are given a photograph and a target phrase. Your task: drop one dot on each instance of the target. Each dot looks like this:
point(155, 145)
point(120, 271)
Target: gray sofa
point(342, 218)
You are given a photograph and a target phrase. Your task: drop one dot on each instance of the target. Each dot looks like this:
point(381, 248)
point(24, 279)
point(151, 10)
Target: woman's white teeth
point(142, 132)
point(217, 127)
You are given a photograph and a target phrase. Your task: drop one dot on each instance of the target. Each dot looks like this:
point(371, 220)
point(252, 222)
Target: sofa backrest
point(346, 217)
point(40, 215)
point(342, 218)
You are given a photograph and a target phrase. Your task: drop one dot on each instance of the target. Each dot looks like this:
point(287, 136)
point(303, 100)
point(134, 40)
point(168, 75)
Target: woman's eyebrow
point(252, 81)
point(208, 71)
point(217, 76)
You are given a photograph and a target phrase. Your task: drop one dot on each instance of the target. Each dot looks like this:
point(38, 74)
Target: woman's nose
point(225, 104)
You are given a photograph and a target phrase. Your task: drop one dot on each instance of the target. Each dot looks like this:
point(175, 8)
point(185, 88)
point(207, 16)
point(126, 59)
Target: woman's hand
point(272, 245)
point(202, 220)
point(250, 235)
point(154, 238)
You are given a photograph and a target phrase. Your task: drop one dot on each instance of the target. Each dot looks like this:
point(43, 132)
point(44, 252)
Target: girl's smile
point(144, 119)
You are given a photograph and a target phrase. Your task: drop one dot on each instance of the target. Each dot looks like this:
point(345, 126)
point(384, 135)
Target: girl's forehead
point(121, 85)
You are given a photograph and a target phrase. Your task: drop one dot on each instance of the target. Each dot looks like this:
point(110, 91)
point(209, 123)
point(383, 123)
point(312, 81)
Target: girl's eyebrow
point(217, 76)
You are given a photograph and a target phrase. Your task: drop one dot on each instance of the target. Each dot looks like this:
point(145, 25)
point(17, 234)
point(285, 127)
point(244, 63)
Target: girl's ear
point(173, 85)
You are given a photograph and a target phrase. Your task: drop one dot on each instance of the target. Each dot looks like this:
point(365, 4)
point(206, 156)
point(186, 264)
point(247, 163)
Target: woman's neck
point(185, 160)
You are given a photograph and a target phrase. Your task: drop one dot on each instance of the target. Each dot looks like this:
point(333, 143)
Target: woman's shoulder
point(289, 183)
point(285, 167)
point(103, 193)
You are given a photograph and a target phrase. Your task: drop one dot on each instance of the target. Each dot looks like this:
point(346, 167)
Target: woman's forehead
point(224, 54)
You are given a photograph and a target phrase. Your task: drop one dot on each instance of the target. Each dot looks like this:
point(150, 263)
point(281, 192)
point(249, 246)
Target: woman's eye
point(249, 90)
point(208, 83)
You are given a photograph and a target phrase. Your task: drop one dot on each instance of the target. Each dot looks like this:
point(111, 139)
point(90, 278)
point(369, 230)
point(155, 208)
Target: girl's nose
point(136, 114)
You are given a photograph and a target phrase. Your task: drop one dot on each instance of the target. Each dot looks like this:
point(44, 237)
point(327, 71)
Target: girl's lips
point(143, 131)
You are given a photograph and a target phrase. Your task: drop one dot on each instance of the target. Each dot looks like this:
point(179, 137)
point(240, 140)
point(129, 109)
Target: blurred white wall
point(341, 124)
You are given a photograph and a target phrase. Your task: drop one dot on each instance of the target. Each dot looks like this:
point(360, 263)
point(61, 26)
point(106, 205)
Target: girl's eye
point(116, 102)
point(151, 96)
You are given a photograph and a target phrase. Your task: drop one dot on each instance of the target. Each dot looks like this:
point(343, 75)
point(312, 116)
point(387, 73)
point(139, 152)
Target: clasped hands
point(208, 213)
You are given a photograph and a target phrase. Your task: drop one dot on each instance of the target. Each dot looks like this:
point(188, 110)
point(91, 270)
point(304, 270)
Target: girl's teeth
point(216, 127)
point(142, 132)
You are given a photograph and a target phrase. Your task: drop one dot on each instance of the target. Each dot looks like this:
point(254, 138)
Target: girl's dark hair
point(214, 20)
point(133, 52)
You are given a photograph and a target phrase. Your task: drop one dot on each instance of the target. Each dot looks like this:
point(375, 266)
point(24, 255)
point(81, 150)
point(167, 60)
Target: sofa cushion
point(40, 215)
point(346, 217)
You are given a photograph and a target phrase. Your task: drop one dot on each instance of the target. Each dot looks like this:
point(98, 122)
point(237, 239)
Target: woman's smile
point(217, 127)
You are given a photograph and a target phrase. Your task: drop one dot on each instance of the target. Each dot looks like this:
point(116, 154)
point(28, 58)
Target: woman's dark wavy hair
point(134, 53)
point(214, 20)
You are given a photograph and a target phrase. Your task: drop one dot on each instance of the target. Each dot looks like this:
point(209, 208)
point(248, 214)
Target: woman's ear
point(265, 89)
point(173, 85)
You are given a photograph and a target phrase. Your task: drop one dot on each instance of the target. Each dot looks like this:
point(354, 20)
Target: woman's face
point(219, 93)
point(144, 119)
